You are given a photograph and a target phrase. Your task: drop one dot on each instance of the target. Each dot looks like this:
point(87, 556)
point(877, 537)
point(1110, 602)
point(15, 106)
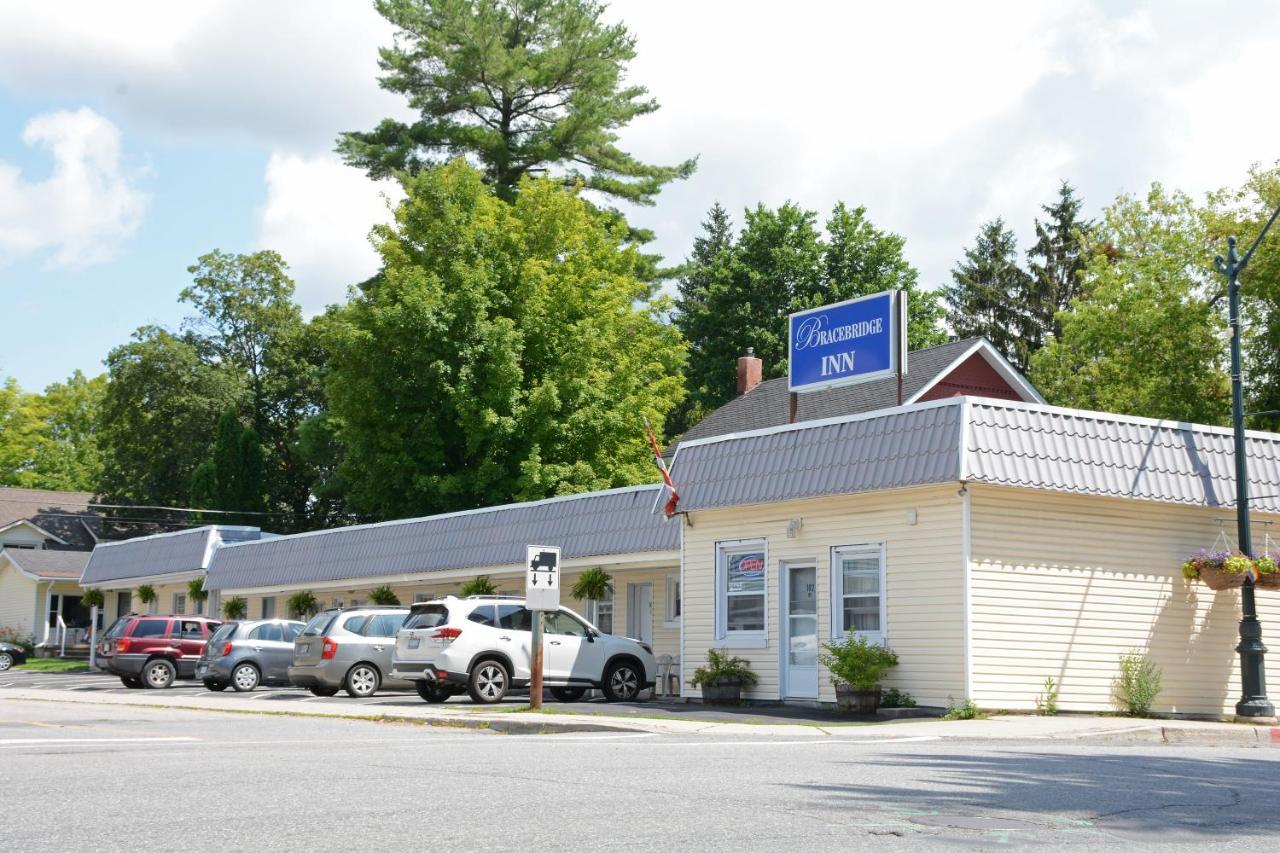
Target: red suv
point(151, 651)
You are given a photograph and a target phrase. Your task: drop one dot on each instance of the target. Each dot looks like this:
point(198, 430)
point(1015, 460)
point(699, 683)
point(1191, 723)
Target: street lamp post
point(1253, 679)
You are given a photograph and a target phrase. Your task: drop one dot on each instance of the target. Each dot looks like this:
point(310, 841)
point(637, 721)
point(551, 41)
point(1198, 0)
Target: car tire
point(362, 681)
point(568, 694)
point(215, 686)
point(6, 661)
point(488, 682)
point(433, 692)
point(245, 678)
point(158, 674)
point(131, 683)
point(623, 682)
point(323, 691)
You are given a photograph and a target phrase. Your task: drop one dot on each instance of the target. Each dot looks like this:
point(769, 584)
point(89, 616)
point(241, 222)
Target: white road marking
point(45, 741)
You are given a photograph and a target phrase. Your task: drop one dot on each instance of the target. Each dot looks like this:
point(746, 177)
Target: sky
point(136, 137)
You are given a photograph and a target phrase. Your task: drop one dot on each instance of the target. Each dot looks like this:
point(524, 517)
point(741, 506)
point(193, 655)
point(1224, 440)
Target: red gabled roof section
point(973, 377)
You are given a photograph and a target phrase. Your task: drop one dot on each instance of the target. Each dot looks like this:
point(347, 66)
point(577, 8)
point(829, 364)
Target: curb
point(1250, 736)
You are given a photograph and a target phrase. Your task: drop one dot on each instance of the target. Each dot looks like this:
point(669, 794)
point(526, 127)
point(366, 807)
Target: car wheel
point(324, 691)
point(488, 682)
point(568, 694)
point(6, 661)
point(433, 692)
point(215, 686)
point(622, 682)
point(245, 678)
point(158, 674)
point(362, 681)
point(131, 683)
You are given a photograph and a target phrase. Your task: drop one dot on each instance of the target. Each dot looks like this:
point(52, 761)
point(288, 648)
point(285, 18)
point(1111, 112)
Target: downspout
point(966, 546)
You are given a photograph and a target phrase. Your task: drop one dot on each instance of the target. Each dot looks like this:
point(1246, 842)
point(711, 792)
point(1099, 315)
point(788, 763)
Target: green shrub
point(478, 586)
point(1047, 702)
point(383, 595)
point(856, 662)
point(302, 605)
point(966, 710)
point(1135, 689)
point(721, 665)
point(235, 609)
point(895, 698)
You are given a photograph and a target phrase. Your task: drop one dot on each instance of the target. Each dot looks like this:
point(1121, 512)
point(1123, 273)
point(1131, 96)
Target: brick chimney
point(750, 372)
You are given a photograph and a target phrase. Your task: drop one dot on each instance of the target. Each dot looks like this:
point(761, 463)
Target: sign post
point(541, 593)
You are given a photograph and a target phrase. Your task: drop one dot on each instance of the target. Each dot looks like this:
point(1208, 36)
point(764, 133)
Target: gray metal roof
point(907, 447)
point(769, 403)
point(618, 521)
point(1071, 450)
point(160, 554)
point(49, 564)
point(1007, 443)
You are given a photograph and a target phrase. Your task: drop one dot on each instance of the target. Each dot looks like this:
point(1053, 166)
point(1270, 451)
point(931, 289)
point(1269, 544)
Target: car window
point(192, 630)
point(224, 632)
point(431, 616)
point(291, 631)
point(483, 615)
point(268, 632)
point(117, 628)
point(515, 617)
point(150, 628)
point(563, 624)
point(318, 625)
point(354, 623)
point(384, 625)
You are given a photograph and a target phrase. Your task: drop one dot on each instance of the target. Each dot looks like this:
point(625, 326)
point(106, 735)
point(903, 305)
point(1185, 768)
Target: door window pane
point(514, 617)
point(384, 625)
point(192, 631)
point(150, 628)
point(564, 625)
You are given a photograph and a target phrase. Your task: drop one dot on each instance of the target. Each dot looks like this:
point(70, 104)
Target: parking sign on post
point(541, 592)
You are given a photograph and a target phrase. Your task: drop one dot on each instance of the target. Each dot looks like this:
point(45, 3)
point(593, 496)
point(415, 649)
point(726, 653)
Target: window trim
point(180, 597)
point(671, 619)
point(723, 636)
point(836, 585)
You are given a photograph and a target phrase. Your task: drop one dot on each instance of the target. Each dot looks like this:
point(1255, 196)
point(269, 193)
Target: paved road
point(96, 777)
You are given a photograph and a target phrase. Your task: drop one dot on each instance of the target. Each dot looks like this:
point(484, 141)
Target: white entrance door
point(800, 647)
point(640, 612)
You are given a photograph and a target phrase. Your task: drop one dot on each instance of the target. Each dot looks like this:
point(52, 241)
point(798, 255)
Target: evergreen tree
point(708, 267)
point(521, 87)
point(250, 487)
point(1056, 263)
point(989, 292)
point(204, 486)
point(226, 462)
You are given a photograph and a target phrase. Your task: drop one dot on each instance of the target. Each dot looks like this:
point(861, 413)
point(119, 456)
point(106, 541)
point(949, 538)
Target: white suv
point(482, 644)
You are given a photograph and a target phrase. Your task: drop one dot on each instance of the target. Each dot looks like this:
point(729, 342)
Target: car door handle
point(554, 642)
point(377, 648)
point(257, 648)
point(508, 639)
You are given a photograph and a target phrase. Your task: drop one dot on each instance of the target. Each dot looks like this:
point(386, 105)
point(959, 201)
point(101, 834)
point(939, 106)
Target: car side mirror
point(591, 636)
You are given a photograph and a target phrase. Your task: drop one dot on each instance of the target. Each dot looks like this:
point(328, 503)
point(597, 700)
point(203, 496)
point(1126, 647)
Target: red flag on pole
point(670, 508)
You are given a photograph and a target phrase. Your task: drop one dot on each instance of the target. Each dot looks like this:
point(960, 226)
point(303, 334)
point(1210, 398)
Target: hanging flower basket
point(1227, 570)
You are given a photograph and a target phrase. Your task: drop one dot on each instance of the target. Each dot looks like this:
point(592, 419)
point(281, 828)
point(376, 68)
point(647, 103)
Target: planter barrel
point(857, 701)
point(722, 691)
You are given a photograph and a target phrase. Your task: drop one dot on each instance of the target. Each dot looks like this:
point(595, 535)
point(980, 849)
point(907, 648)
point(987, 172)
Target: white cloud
point(318, 214)
point(86, 207)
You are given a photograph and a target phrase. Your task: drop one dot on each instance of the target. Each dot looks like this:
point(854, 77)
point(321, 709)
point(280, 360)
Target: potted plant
point(92, 598)
point(592, 586)
point(1227, 569)
point(856, 667)
point(147, 594)
point(302, 604)
point(723, 678)
point(383, 595)
point(195, 591)
point(235, 609)
point(478, 586)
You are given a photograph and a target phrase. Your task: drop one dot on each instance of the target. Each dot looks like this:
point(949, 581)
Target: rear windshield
point(431, 616)
point(318, 625)
point(224, 632)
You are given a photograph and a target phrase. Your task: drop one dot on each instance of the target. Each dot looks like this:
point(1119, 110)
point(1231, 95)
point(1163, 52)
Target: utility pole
point(1253, 679)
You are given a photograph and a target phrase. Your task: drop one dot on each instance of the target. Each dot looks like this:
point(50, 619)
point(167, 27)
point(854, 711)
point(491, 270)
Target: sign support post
point(541, 593)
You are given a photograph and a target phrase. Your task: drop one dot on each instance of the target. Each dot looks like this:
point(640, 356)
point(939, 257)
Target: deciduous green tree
point(71, 458)
point(1145, 336)
point(524, 87)
point(507, 352)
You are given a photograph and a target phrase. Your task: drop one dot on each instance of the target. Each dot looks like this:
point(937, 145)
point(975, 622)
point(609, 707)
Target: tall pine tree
point(988, 293)
point(1056, 263)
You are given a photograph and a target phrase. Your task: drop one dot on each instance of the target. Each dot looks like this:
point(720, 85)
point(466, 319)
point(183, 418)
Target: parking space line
point(46, 741)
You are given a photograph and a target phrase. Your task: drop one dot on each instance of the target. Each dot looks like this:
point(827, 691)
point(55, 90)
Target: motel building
point(991, 540)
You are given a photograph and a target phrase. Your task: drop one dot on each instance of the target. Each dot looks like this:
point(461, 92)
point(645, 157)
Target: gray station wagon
point(245, 654)
point(350, 650)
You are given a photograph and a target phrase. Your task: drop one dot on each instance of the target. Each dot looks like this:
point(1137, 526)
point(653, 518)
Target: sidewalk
point(693, 720)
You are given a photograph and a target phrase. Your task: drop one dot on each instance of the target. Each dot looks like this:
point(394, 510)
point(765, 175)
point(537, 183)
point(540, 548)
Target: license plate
point(414, 642)
point(202, 668)
point(304, 648)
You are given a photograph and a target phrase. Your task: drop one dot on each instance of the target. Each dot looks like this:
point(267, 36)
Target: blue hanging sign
point(849, 342)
